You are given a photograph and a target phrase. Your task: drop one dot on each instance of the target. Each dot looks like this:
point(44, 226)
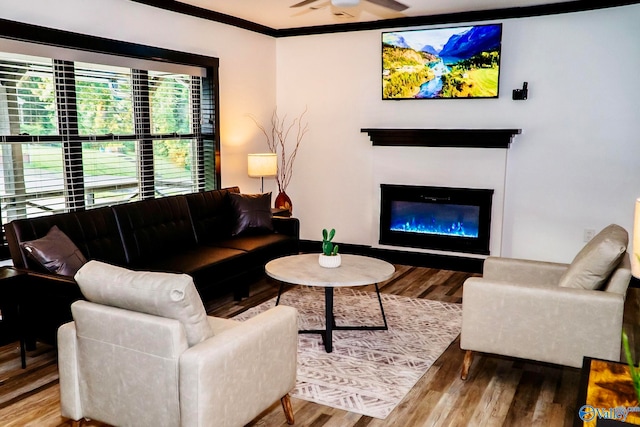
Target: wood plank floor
point(500, 391)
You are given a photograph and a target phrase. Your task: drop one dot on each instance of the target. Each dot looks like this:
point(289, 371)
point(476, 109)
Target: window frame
point(210, 127)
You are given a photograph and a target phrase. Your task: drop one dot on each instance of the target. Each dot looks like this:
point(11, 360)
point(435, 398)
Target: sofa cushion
point(212, 215)
point(253, 213)
point(154, 228)
point(94, 231)
point(161, 294)
point(258, 242)
point(56, 252)
point(594, 263)
point(192, 261)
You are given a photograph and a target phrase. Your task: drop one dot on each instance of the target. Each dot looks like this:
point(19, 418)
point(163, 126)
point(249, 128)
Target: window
point(79, 134)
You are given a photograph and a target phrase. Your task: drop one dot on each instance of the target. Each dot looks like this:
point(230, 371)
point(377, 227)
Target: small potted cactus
point(329, 258)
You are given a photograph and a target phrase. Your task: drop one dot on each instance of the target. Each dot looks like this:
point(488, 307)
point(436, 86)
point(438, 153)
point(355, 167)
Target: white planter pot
point(329, 261)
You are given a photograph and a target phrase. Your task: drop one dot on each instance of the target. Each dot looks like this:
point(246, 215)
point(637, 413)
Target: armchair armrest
point(523, 271)
point(70, 402)
point(541, 322)
point(289, 226)
point(236, 373)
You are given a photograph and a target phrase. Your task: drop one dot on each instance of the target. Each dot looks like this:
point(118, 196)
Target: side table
point(280, 212)
point(605, 395)
point(11, 286)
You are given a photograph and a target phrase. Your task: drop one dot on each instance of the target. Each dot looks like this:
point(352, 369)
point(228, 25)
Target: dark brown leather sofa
point(188, 234)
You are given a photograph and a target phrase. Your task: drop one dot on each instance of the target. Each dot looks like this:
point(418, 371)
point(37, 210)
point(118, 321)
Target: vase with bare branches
point(277, 138)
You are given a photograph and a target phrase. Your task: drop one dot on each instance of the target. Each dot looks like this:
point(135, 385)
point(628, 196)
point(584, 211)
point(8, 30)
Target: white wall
point(247, 60)
point(574, 167)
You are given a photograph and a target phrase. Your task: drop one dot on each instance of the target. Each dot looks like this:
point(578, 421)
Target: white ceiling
point(278, 14)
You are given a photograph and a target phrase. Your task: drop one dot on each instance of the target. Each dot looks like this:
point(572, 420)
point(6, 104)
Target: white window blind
point(110, 172)
point(172, 160)
point(30, 180)
point(80, 135)
point(27, 96)
point(104, 99)
point(32, 183)
point(170, 103)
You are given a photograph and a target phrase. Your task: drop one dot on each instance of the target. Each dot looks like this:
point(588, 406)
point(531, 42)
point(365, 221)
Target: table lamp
point(260, 165)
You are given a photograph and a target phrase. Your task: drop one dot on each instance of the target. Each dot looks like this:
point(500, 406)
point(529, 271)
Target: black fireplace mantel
point(465, 138)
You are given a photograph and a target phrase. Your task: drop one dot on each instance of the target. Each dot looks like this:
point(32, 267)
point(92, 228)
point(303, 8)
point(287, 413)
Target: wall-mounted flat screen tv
point(442, 63)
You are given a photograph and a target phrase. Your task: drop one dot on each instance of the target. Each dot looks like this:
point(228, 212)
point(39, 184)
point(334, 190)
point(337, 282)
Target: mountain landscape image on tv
point(459, 62)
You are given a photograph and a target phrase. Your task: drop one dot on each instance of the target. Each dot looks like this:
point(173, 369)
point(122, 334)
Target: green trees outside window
point(109, 118)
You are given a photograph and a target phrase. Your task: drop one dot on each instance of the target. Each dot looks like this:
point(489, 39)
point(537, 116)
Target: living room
point(570, 170)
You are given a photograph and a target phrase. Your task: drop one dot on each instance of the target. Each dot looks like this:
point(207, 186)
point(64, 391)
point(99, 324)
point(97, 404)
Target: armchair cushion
point(56, 252)
point(253, 212)
point(160, 294)
point(596, 261)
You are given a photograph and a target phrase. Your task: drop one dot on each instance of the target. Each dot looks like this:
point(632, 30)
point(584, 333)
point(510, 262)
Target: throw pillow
point(596, 261)
point(252, 212)
point(56, 252)
point(168, 295)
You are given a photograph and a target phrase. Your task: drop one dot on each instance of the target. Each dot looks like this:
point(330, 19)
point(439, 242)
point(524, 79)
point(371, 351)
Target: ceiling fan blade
point(390, 4)
point(303, 3)
point(320, 5)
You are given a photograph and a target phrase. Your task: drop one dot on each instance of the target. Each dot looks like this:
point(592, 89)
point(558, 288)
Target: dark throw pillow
point(252, 213)
point(56, 252)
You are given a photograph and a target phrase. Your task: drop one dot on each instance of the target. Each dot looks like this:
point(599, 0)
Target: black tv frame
point(451, 27)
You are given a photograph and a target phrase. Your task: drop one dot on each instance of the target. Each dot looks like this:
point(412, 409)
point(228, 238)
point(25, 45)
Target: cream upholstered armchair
point(142, 352)
point(549, 312)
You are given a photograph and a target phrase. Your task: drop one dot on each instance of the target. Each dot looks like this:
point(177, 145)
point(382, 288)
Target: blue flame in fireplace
point(435, 218)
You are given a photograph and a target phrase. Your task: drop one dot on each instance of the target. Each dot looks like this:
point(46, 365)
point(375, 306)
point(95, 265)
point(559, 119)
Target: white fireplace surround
point(443, 167)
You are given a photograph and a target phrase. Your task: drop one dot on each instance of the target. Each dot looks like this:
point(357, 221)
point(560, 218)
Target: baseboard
point(417, 259)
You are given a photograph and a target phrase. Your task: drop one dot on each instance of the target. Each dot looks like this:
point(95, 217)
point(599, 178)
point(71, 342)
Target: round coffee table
point(355, 270)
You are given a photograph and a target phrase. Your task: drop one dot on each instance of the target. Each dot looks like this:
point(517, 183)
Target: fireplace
point(443, 218)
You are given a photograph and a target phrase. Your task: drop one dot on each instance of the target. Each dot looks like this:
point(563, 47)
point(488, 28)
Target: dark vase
point(283, 202)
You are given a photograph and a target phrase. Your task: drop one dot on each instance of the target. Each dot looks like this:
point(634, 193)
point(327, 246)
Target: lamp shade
point(635, 262)
point(262, 164)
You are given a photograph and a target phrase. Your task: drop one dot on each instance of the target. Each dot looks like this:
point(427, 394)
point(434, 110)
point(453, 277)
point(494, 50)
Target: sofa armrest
point(45, 304)
point(49, 283)
point(287, 226)
point(523, 271)
point(234, 375)
point(541, 322)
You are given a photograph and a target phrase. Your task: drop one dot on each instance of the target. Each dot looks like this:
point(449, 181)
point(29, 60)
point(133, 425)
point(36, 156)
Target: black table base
point(330, 320)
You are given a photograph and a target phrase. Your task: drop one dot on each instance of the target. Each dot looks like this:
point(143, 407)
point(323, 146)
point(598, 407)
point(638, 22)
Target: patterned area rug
point(368, 372)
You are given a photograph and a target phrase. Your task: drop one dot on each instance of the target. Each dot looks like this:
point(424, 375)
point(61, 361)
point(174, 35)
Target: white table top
point(304, 269)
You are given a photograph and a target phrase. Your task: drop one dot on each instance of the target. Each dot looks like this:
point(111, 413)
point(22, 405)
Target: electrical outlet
point(588, 234)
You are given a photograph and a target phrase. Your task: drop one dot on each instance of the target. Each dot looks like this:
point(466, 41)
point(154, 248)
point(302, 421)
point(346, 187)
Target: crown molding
point(448, 18)
point(200, 12)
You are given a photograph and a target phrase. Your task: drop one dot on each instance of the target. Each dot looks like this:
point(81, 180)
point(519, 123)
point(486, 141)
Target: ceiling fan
point(390, 4)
